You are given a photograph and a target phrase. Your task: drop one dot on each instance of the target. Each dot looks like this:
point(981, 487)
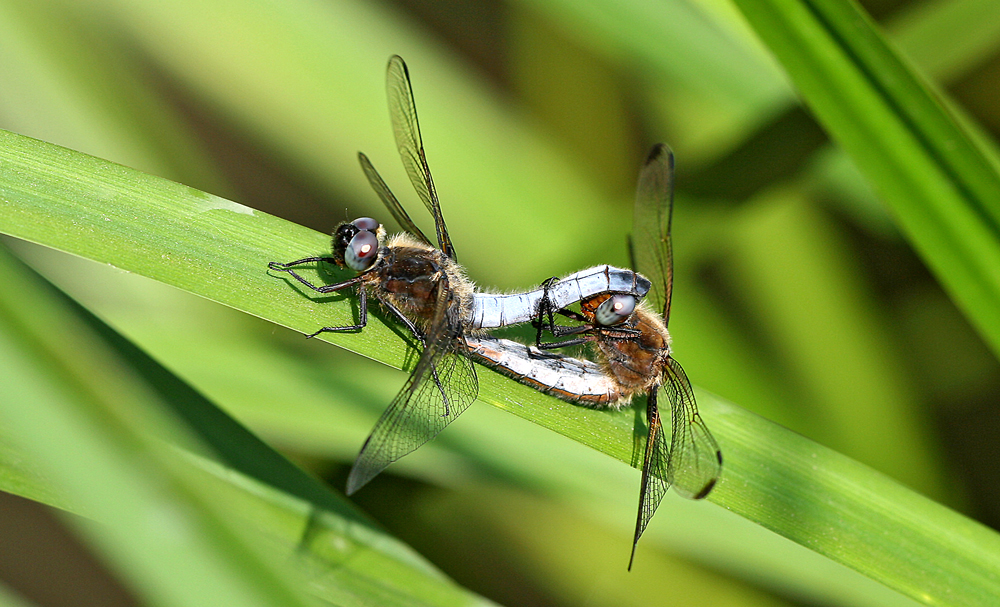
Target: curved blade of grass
point(340, 558)
point(163, 532)
point(940, 185)
point(219, 249)
point(352, 562)
point(235, 446)
point(322, 402)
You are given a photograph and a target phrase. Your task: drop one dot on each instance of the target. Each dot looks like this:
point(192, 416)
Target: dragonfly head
point(615, 309)
point(356, 244)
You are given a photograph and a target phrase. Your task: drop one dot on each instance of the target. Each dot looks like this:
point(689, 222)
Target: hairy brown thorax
point(410, 276)
point(410, 279)
point(635, 361)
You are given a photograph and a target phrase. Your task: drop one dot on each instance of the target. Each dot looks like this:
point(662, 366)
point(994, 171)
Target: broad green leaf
point(321, 402)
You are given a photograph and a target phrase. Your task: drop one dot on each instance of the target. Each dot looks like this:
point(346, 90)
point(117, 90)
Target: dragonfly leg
point(362, 320)
point(287, 267)
point(406, 321)
point(558, 331)
point(444, 395)
point(546, 312)
point(544, 309)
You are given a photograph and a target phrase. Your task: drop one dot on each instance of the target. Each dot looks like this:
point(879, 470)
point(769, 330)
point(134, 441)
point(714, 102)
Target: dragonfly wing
point(695, 459)
point(389, 199)
point(440, 388)
point(655, 473)
point(652, 255)
point(403, 113)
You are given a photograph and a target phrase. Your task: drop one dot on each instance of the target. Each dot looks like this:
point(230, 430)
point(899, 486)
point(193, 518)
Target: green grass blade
point(239, 449)
point(346, 559)
point(219, 249)
point(321, 402)
point(163, 532)
point(228, 441)
point(311, 90)
point(859, 517)
point(940, 185)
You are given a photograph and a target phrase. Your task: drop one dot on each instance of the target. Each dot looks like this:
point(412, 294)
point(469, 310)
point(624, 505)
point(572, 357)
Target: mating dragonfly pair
point(425, 289)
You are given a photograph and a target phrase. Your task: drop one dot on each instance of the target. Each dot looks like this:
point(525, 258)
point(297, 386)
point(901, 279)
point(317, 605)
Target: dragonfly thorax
point(636, 361)
point(411, 277)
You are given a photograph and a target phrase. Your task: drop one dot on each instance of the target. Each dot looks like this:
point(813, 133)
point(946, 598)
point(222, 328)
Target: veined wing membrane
point(406, 128)
point(439, 389)
point(651, 219)
point(655, 473)
point(695, 458)
point(389, 200)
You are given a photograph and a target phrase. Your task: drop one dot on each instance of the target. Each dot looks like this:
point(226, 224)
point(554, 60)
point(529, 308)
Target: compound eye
point(615, 310)
point(365, 223)
point(362, 251)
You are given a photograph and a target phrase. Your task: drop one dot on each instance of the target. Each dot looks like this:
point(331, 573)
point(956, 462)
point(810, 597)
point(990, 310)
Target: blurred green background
point(796, 296)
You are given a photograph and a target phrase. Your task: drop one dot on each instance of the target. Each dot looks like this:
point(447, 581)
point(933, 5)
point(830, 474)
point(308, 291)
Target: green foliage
point(774, 308)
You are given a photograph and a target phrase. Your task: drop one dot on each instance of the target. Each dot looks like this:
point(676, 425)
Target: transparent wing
point(652, 255)
point(403, 113)
point(695, 461)
point(389, 200)
point(655, 472)
point(441, 387)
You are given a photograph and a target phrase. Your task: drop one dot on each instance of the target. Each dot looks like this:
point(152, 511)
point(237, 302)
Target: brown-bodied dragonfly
point(428, 292)
point(632, 346)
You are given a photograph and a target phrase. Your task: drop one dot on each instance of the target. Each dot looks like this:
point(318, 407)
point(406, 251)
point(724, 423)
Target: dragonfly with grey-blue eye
point(633, 350)
point(425, 289)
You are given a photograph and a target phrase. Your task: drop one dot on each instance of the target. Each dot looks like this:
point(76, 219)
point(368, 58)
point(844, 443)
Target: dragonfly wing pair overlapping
point(693, 462)
point(634, 348)
point(426, 290)
point(442, 386)
point(420, 285)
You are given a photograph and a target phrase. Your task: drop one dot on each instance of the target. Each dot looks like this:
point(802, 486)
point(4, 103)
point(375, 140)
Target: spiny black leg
point(560, 331)
point(287, 267)
point(362, 321)
point(277, 265)
point(554, 345)
point(327, 288)
point(544, 309)
point(406, 321)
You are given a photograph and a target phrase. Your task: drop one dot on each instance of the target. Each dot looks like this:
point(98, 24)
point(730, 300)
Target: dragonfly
point(424, 287)
point(576, 380)
point(632, 346)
